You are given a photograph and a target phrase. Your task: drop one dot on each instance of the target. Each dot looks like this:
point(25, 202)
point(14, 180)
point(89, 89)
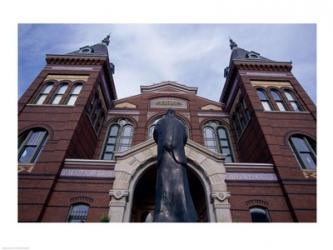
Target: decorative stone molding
point(266, 84)
point(125, 105)
point(98, 173)
point(119, 194)
point(150, 114)
point(67, 77)
point(310, 174)
point(251, 177)
point(81, 199)
point(252, 203)
point(186, 114)
point(168, 102)
point(220, 196)
point(25, 168)
point(211, 107)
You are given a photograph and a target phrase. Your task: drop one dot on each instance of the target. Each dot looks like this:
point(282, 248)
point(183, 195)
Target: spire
point(232, 44)
point(106, 40)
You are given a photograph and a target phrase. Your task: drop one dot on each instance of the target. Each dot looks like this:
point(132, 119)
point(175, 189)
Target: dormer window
point(253, 55)
point(86, 50)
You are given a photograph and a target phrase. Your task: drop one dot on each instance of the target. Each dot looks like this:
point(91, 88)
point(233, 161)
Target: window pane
point(280, 106)
point(125, 140)
point(259, 215)
point(308, 161)
point(261, 94)
point(276, 95)
point(114, 130)
point(210, 143)
point(295, 106)
point(222, 133)
point(123, 148)
point(266, 106)
point(289, 96)
point(151, 131)
point(224, 143)
point(41, 99)
point(214, 149)
point(109, 148)
point(209, 133)
point(62, 89)
point(300, 144)
point(225, 151)
point(47, 89)
point(78, 213)
point(57, 99)
point(127, 131)
point(107, 156)
point(72, 99)
point(112, 140)
point(27, 155)
point(77, 89)
point(228, 159)
point(36, 138)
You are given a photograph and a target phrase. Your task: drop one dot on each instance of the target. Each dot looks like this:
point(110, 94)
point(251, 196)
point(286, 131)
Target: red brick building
point(85, 155)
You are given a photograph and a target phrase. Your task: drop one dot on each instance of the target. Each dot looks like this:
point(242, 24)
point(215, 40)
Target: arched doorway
point(144, 196)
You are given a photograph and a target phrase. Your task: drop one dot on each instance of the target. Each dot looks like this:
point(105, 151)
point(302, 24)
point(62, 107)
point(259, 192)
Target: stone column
point(221, 205)
point(119, 199)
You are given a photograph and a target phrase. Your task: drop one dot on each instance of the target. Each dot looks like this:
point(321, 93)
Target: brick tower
point(60, 116)
point(275, 122)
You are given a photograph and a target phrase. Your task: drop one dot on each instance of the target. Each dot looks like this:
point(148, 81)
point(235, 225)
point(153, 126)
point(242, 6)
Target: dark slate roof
point(99, 49)
point(242, 54)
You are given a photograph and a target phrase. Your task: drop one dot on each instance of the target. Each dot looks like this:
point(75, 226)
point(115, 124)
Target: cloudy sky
point(191, 54)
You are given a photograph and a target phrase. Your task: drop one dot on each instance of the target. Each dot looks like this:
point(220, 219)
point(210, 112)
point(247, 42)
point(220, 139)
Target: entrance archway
point(143, 203)
point(205, 167)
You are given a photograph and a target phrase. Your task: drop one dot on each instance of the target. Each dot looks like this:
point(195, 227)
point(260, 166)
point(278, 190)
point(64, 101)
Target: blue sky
point(191, 54)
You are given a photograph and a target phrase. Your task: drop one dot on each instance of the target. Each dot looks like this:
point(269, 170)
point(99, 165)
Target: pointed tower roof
point(239, 53)
point(99, 49)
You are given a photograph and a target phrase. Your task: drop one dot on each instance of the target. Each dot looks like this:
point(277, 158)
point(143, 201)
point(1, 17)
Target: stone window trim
point(116, 144)
point(297, 100)
point(220, 125)
point(159, 115)
point(307, 139)
point(53, 92)
point(81, 199)
point(257, 202)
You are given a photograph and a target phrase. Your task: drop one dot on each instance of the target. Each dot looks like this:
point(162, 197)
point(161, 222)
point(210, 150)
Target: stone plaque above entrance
point(168, 102)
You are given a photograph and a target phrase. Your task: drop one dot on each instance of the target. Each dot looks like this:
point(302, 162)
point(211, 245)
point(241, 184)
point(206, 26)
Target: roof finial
point(232, 44)
point(106, 40)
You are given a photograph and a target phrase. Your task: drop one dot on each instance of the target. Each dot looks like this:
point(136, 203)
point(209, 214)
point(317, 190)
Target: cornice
point(75, 60)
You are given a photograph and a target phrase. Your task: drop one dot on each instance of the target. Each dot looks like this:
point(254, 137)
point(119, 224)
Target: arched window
point(74, 94)
point(152, 127)
point(216, 139)
point(259, 214)
point(305, 150)
point(44, 93)
point(278, 100)
point(60, 93)
point(264, 100)
point(30, 145)
point(78, 212)
point(294, 103)
point(119, 138)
